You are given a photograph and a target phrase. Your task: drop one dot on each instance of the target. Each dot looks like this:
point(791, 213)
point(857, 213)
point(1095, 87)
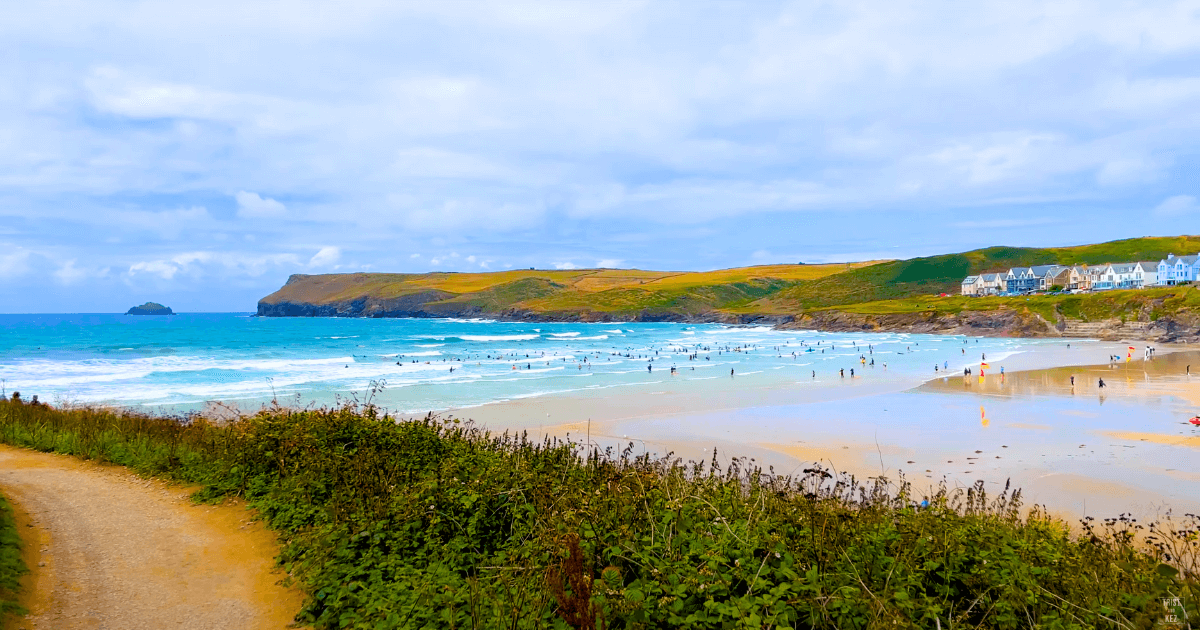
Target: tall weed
point(436, 523)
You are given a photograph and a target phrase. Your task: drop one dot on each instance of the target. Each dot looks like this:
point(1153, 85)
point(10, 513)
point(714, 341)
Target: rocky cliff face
point(419, 306)
point(361, 295)
point(1183, 328)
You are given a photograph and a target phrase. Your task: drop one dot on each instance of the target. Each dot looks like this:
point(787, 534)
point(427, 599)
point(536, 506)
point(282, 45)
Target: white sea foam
point(571, 334)
point(498, 337)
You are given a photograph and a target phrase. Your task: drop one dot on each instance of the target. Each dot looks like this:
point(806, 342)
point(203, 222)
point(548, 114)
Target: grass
point(944, 274)
point(437, 524)
point(761, 290)
point(563, 291)
point(12, 567)
point(1136, 305)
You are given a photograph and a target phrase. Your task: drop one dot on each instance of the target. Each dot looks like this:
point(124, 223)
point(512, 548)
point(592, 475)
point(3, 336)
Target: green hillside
point(616, 292)
point(777, 290)
point(944, 274)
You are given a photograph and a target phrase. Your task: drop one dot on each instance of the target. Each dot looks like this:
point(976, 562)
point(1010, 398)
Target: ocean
point(185, 362)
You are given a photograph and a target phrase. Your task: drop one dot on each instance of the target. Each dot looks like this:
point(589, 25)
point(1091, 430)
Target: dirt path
point(117, 552)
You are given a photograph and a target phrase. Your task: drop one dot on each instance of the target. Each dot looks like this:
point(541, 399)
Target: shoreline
point(1074, 454)
point(1000, 323)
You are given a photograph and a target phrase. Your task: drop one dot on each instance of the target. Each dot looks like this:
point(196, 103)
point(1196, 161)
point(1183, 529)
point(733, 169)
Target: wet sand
point(1080, 451)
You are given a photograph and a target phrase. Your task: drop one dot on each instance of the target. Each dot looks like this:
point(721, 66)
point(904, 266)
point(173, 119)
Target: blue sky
point(198, 155)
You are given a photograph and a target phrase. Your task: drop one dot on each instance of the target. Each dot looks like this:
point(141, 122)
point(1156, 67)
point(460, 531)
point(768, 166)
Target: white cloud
point(200, 265)
point(325, 257)
point(470, 259)
point(164, 269)
point(580, 127)
point(565, 265)
point(167, 224)
point(1007, 223)
point(1176, 206)
point(69, 273)
point(14, 261)
point(414, 255)
point(609, 263)
point(250, 205)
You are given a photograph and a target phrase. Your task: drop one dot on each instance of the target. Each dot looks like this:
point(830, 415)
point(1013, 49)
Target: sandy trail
point(116, 551)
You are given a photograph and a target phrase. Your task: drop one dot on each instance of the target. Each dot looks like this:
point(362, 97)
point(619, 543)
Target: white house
point(1177, 269)
point(992, 283)
point(970, 285)
point(1127, 275)
point(1103, 277)
point(1147, 274)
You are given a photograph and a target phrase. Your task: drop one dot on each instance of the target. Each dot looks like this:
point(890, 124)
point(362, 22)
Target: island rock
point(150, 308)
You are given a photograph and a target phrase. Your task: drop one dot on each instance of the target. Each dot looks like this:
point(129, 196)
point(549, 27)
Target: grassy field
point(1099, 306)
point(437, 524)
point(599, 290)
point(943, 274)
point(762, 290)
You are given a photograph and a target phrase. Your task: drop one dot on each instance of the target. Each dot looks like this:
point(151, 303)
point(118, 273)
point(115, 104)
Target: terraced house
point(1178, 269)
point(984, 284)
point(1134, 275)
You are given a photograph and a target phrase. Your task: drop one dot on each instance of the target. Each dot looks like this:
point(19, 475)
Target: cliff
point(875, 295)
point(1160, 314)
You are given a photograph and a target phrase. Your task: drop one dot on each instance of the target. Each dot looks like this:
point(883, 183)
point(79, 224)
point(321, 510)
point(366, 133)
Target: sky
point(197, 154)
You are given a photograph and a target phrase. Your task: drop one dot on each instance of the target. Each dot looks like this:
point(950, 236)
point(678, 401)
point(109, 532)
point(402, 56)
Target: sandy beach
point(1082, 450)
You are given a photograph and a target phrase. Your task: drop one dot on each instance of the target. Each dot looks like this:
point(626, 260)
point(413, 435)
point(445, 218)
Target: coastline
point(976, 323)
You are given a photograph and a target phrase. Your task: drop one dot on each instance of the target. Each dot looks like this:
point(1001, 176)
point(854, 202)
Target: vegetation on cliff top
point(764, 290)
point(545, 291)
point(1088, 307)
point(932, 275)
point(437, 524)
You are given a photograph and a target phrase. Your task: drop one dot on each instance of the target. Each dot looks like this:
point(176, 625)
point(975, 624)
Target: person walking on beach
point(730, 372)
point(842, 372)
point(1072, 381)
point(1101, 382)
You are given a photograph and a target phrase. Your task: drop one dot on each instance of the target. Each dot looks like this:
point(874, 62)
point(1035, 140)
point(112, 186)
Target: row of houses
point(1135, 275)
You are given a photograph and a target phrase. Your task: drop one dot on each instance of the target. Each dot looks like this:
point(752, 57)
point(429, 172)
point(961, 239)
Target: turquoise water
point(180, 363)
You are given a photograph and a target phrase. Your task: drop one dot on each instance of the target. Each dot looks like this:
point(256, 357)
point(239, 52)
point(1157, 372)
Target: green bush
point(437, 524)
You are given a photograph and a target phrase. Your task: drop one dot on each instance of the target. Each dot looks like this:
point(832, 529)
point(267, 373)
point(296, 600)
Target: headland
point(917, 295)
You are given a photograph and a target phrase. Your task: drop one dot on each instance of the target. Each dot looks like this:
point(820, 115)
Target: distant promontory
point(150, 308)
point(918, 295)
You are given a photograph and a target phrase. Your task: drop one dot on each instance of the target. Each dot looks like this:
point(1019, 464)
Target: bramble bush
point(436, 523)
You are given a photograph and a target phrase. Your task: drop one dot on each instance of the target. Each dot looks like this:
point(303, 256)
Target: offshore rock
point(150, 308)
